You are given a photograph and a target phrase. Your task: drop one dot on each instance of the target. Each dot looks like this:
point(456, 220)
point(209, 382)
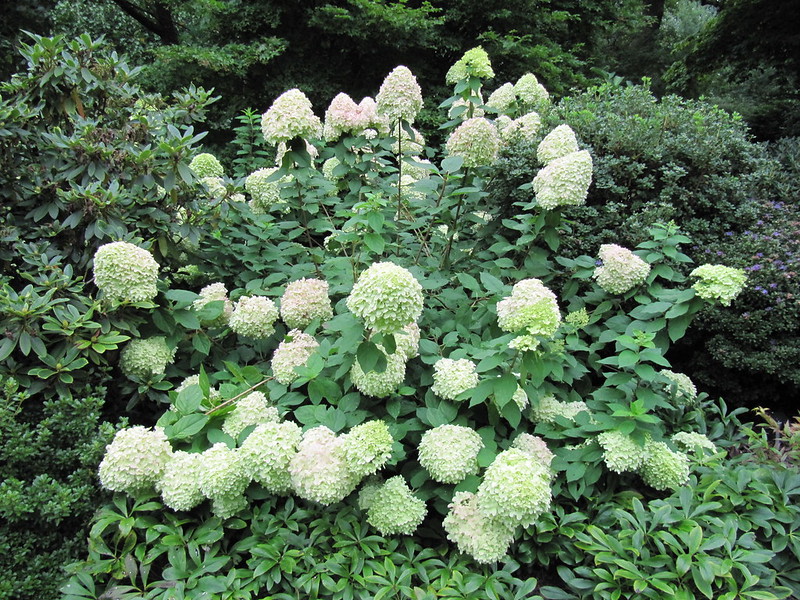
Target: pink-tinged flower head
point(305, 300)
point(344, 116)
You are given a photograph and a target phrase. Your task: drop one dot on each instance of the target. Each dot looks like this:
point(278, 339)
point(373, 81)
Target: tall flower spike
point(559, 142)
point(289, 117)
point(400, 96)
point(564, 181)
point(125, 273)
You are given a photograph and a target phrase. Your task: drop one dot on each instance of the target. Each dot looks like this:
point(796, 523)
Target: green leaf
point(451, 164)
point(490, 282)
point(628, 358)
point(322, 387)
point(504, 388)
point(186, 426)
point(189, 400)
point(375, 242)
point(202, 343)
point(187, 318)
point(370, 358)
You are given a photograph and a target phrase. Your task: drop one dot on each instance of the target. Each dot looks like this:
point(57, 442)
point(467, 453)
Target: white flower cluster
point(264, 194)
point(125, 273)
point(380, 384)
point(524, 128)
point(556, 144)
point(213, 293)
point(476, 140)
point(178, 485)
point(267, 453)
point(686, 392)
point(530, 92)
point(474, 63)
point(485, 539)
point(621, 270)
point(305, 300)
point(692, 441)
point(564, 181)
point(531, 307)
point(520, 398)
point(254, 316)
point(621, 453)
point(366, 448)
point(292, 353)
point(503, 98)
point(663, 468)
point(407, 340)
point(453, 377)
point(392, 507)
point(250, 410)
point(290, 116)
point(223, 480)
point(548, 408)
point(344, 116)
point(450, 452)
point(146, 358)
point(387, 297)
point(399, 97)
point(718, 282)
point(206, 165)
point(535, 446)
point(135, 460)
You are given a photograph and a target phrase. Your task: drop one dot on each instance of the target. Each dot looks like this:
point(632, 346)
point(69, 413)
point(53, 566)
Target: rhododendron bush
point(365, 332)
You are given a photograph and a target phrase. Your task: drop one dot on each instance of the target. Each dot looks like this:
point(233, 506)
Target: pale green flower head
point(450, 452)
point(267, 453)
point(399, 97)
point(558, 143)
point(664, 469)
point(146, 358)
point(535, 446)
point(578, 318)
point(564, 181)
point(250, 410)
point(485, 539)
point(621, 270)
point(718, 282)
point(531, 307)
point(213, 293)
point(254, 316)
point(264, 195)
point(474, 63)
point(515, 488)
point(206, 165)
point(135, 460)
point(125, 273)
point(290, 353)
point(476, 140)
point(394, 509)
point(453, 377)
point(548, 408)
point(686, 391)
point(502, 99)
point(222, 474)
point(530, 92)
point(289, 117)
point(387, 297)
point(380, 384)
point(319, 471)
point(178, 485)
point(524, 128)
point(621, 453)
point(367, 447)
point(691, 441)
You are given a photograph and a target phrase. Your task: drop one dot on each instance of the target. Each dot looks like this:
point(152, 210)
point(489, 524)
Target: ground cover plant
point(350, 375)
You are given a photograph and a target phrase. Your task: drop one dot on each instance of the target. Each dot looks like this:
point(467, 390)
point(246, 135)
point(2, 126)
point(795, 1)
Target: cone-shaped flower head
point(530, 92)
point(305, 300)
point(290, 353)
point(621, 270)
point(621, 453)
point(476, 140)
point(267, 453)
point(344, 116)
point(290, 116)
point(146, 358)
point(515, 488)
point(215, 292)
point(685, 392)
point(135, 460)
point(718, 282)
point(380, 384)
point(400, 96)
point(483, 538)
point(535, 446)
point(250, 410)
point(178, 485)
point(254, 316)
point(453, 377)
point(474, 63)
point(387, 297)
point(366, 448)
point(525, 128)
point(531, 306)
point(206, 165)
point(691, 441)
point(564, 181)
point(664, 469)
point(559, 142)
point(264, 194)
point(548, 408)
point(395, 509)
point(125, 273)
point(319, 471)
point(502, 99)
point(450, 452)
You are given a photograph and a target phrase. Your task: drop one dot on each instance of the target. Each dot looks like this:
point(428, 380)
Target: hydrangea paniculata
point(453, 377)
point(254, 316)
point(718, 282)
point(135, 460)
point(292, 353)
point(267, 453)
point(525, 128)
point(535, 446)
point(344, 116)
point(206, 165)
point(125, 273)
point(305, 300)
point(663, 468)
point(503, 98)
point(264, 194)
point(400, 97)
point(450, 452)
point(319, 471)
point(476, 140)
point(250, 410)
point(621, 270)
point(559, 142)
point(380, 384)
point(485, 539)
point(548, 408)
point(692, 441)
point(387, 297)
point(474, 63)
point(621, 453)
point(178, 484)
point(532, 307)
point(146, 358)
point(366, 448)
point(564, 181)
point(215, 292)
point(290, 116)
point(394, 509)
point(530, 92)
point(685, 390)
